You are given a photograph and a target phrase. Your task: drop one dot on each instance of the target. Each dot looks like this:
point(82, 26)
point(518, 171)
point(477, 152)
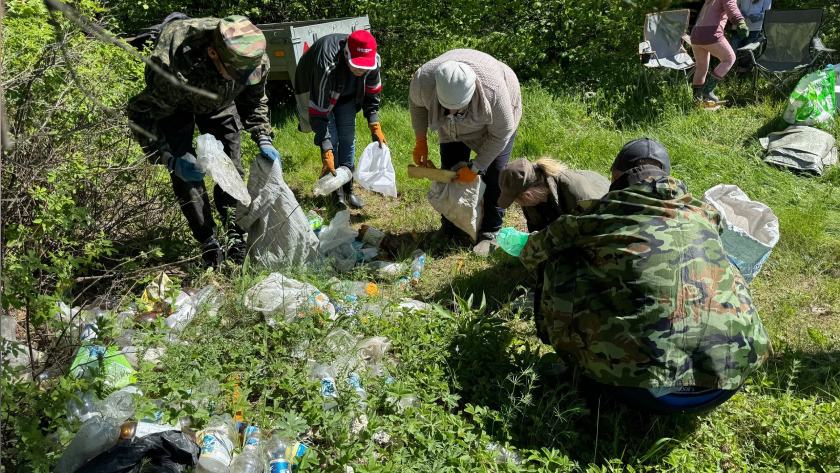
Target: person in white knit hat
point(473, 101)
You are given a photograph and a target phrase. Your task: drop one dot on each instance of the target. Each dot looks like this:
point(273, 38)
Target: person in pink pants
point(707, 40)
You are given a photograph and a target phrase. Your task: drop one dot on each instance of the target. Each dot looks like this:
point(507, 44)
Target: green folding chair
point(663, 49)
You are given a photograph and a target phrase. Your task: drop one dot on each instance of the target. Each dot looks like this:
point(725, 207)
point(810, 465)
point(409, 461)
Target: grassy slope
point(471, 370)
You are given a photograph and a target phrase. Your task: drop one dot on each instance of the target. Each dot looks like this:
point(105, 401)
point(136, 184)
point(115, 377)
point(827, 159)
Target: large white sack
point(212, 160)
point(284, 299)
point(460, 203)
point(375, 171)
point(278, 230)
point(751, 229)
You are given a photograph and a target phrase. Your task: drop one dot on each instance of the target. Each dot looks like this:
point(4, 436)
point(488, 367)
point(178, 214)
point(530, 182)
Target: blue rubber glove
point(184, 168)
point(267, 149)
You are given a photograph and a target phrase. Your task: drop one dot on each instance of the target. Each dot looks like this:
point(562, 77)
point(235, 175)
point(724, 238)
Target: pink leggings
point(721, 50)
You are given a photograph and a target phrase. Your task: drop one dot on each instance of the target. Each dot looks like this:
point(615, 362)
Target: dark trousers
point(456, 152)
point(178, 130)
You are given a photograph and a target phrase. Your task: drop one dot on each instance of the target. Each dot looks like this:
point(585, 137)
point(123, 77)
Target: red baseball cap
point(361, 50)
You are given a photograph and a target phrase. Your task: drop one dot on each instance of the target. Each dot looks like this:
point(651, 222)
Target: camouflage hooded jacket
point(181, 49)
point(639, 291)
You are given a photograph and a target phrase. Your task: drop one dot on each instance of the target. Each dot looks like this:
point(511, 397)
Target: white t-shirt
point(751, 7)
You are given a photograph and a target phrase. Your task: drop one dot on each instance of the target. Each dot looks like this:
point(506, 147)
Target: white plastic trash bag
point(460, 203)
point(279, 233)
point(375, 171)
point(337, 242)
point(751, 230)
point(212, 160)
point(284, 299)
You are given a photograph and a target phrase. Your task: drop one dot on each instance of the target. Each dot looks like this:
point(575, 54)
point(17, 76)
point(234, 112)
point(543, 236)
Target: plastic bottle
point(360, 288)
point(315, 221)
point(132, 430)
point(329, 183)
point(326, 374)
point(95, 437)
point(512, 241)
point(418, 262)
point(385, 269)
point(371, 236)
point(217, 446)
point(251, 459)
point(119, 406)
point(276, 450)
point(84, 408)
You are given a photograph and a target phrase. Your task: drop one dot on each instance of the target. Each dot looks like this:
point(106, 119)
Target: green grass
point(477, 369)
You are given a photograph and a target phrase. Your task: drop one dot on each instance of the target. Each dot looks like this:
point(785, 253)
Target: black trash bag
point(163, 452)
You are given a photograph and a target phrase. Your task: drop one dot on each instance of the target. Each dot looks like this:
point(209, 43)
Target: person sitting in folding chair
point(707, 40)
point(753, 12)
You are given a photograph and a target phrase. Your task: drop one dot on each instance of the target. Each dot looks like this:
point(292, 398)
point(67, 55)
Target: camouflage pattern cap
point(241, 45)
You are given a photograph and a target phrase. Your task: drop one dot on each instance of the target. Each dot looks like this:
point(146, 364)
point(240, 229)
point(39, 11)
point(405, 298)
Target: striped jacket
point(319, 80)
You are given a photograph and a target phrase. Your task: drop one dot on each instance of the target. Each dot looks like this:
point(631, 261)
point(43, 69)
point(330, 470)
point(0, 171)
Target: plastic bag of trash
point(279, 233)
point(169, 451)
point(375, 171)
point(279, 296)
point(460, 203)
point(812, 101)
point(751, 230)
point(212, 160)
point(371, 350)
point(336, 241)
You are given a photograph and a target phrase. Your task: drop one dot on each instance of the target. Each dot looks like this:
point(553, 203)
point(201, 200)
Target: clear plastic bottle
point(329, 183)
point(360, 288)
point(326, 374)
point(385, 269)
point(119, 406)
point(96, 436)
point(132, 430)
point(277, 449)
point(84, 408)
point(217, 446)
point(251, 459)
point(418, 262)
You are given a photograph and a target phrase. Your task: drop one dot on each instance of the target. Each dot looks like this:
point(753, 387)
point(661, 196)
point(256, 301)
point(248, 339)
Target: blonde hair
point(550, 166)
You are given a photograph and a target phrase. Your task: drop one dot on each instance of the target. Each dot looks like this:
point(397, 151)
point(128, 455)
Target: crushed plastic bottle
point(326, 375)
point(512, 240)
point(217, 446)
point(119, 406)
point(418, 262)
point(504, 454)
point(251, 459)
point(386, 270)
point(315, 221)
point(356, 288)
point(84, 408)
point(371, 236)
point(329, 183)
point(372, 350)
point(96, 436)
point(340, 341)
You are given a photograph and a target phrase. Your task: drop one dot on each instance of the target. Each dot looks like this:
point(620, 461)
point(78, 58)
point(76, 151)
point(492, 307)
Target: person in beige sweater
point(473, 101)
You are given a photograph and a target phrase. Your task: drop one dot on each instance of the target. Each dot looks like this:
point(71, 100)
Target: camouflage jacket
point(639, 291)
point(181, 49)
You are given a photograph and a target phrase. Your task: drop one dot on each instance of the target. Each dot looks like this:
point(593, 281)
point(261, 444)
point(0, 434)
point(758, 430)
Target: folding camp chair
point(788, 48)
point(663, 48)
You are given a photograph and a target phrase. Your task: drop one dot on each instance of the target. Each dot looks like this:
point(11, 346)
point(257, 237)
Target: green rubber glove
point(743, 29)
point(512, 241)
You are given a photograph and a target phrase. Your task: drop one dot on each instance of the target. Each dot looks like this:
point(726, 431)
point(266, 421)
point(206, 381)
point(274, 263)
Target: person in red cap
point(335, 78)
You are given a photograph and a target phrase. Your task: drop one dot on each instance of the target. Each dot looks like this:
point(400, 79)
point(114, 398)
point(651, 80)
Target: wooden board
point(439, 175)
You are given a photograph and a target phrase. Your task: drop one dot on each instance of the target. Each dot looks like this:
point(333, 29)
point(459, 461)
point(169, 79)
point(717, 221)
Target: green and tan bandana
point(241, 46)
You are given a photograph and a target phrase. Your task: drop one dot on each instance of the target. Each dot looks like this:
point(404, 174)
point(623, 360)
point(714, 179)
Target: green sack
point(812, 101)
point(512, 240)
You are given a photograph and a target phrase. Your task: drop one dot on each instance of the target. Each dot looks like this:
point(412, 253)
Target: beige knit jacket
point(493, 113)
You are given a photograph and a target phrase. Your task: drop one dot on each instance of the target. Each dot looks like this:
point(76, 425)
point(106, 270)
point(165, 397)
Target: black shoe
point(211, 253)
point(444, 233)
point(237, 252)
point(354, 201)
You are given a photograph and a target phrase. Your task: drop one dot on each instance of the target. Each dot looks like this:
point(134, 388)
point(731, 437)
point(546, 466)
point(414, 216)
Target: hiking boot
point(211, 253)
point(444, 233)
point(351, 199)
point(708, 90)
point(486, 244)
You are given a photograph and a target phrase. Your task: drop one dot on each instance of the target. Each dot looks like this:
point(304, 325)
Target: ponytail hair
point(550, 167)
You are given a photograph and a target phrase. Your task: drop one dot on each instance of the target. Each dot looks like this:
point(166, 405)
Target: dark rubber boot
point(697, 94)
point(237, 251)
point(338, 198)
point(709, 90)
point(211, 253)
point(354, 201)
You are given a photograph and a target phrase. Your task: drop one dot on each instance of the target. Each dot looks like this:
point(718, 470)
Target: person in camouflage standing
point(225, 57)
point(640, 296)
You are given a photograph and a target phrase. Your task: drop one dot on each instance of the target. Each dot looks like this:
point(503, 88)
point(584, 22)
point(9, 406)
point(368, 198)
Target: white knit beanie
point(455, 83)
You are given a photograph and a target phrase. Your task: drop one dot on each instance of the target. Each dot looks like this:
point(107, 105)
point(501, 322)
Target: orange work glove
point(421, 152)
point(329, 163)
point(376, 133)
point(465, 175)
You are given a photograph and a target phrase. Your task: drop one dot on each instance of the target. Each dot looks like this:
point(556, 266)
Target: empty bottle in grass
point(512, 241)
point(418, 262)
point(96, 436)
point(119, 405)
point(250, 460)
point(277, 449)
point(135, 430)
point(84, 408)
point(217, 446)
point(329, 183)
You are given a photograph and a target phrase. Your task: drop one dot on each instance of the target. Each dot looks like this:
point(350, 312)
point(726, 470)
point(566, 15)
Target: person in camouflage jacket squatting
point(640, 296)
point(227, 58)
